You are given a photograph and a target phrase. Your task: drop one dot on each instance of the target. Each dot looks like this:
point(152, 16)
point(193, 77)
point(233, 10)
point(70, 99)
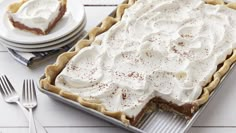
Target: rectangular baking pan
point(158, 121)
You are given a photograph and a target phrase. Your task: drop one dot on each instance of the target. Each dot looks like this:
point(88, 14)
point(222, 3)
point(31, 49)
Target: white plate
point(43, 45)
point(72, 19)
point(54, 47)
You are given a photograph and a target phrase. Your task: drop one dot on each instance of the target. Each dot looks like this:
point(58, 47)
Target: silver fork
point(10, 96)
point(8, 92)
point(29, 101)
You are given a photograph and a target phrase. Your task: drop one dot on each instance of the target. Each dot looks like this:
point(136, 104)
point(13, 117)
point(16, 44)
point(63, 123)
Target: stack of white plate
point(67, 30)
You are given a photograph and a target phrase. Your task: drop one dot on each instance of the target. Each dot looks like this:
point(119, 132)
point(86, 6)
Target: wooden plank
point(113, 130)
point(221, 110)
point(95, 15)
point(68, 130)
point(2, 48)
point(213, 130)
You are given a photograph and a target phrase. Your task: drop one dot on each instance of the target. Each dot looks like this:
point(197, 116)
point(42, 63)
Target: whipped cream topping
point(161, 48)
point(37, 13)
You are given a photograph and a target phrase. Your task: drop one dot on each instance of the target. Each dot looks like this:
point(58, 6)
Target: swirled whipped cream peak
point(168, 49)
point(37, 14)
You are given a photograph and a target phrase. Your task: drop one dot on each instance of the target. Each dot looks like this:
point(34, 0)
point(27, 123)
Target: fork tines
point(29, 93)
point(6, 87)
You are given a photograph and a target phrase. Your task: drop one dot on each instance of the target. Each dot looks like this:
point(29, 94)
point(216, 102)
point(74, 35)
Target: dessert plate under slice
point(54, 47)
point(47, 44)
point(71, 20)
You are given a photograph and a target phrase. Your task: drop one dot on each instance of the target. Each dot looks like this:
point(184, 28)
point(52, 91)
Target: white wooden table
point(220, 116)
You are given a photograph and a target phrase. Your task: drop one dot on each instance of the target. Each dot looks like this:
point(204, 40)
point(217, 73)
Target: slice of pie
point(165, 53)
point(36, 16)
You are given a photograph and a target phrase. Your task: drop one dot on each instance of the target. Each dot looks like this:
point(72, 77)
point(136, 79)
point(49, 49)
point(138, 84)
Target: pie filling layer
point(37, 14)
point(167, 49)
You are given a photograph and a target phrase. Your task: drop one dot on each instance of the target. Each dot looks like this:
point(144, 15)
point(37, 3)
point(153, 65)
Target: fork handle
point(40, 128)
point(25, 111)
point(32, 128)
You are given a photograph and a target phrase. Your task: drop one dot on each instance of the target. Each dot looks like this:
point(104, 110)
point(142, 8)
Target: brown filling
point(184, 110)
point(168, 106)
point(37, 31)
point(135, 120)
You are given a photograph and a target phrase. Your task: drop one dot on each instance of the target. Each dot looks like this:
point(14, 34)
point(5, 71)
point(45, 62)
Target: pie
point(166, 53)
point(36, 16)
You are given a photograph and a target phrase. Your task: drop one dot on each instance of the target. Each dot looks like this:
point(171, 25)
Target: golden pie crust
point(52, 71)
point(14, 7)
